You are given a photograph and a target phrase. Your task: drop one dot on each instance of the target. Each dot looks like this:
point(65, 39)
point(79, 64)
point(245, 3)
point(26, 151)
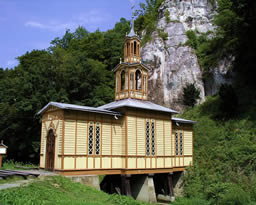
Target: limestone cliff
point(174, 65)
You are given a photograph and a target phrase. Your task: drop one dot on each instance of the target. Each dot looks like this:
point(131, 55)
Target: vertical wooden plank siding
point(63, 141)
point(126, 142)
point(136, 143)
point(192, 147)
point(101, 142)
point(164, 139)
point(87, 147)
point(75, 142)
point(183, 146)
point(156, 136)
point(111, 149)
point(145, 144)
point(171, 146)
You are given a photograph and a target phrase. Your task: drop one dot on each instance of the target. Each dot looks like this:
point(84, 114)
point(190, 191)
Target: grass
point(60, 190)
point(11, 179)
point(11, 164)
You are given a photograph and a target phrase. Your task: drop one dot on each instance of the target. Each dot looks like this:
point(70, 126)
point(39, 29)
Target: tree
point(190, 95)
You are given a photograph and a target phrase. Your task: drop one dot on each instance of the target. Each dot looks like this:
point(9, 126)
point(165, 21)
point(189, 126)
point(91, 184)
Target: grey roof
point(141, 104)
point(183, 120)
point(131, 64)
point(79, 108)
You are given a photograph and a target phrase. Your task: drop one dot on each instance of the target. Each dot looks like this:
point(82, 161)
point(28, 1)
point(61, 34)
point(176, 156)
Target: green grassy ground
point(60, 190)
point(10, 164)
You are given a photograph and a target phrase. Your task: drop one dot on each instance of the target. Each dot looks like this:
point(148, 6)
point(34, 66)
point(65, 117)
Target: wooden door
point(50, 150)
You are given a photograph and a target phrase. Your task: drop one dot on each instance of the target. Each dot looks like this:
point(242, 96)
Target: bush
point(228, 101)
point(190, 95)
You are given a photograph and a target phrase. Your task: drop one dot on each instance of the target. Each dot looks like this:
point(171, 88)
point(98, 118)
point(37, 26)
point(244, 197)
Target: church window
point(135, 45)
point(176, 143)
point(117, 84)
point(153, 138)
point(181, 143)
point(150, 138)
point(94, 138)
point(138, 80)
point(97, 139)
point(128, 49)
point(147, 138)
point(144, 83)
point(122, 80)
point(90, 139)
point(132, 81)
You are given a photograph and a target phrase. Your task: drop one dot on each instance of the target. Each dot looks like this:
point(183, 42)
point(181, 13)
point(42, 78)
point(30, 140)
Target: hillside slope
point(224, 171)
point(60, 190)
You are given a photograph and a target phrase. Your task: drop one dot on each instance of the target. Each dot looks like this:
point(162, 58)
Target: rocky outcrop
point(174, 64)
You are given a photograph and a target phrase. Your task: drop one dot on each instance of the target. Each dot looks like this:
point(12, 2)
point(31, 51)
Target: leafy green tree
point(76, 68)
point(190, 95)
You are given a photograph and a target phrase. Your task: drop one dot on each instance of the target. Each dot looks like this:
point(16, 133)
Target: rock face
point(174, 64)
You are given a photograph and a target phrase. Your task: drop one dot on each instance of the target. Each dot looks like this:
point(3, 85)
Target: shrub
point(190, 95)
point(228, 101)
point(167, 16)
point(162, 34)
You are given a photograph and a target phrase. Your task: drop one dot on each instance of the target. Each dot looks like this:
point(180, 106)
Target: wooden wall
point(53, 119)
point(186, 158)
point(122, 141)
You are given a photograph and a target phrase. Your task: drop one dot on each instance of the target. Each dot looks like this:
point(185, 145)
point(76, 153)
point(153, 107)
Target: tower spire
point(132, 32)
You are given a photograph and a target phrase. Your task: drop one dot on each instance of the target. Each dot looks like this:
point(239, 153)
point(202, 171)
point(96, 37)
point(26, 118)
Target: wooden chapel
point(128, 136)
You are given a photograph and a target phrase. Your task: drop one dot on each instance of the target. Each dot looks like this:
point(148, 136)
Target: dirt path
point(18, 183)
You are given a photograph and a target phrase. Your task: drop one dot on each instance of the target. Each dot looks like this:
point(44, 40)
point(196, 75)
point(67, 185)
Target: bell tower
point(132, 74)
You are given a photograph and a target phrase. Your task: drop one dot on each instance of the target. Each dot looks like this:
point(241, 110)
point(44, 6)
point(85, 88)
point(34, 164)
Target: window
point(97, 139)
point(117, 84)
point(179, 143)
point(135, 45)
point(122, 80)
point(150, 138)
point(128, 45)
point(153, 138)
point(176, 143)
point(131, 81)
point(94, 135)
point(147, 138)
point(138, 80)
point(144, 83)
point(90, 139)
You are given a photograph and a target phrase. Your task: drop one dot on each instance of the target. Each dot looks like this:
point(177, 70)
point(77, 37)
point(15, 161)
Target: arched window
point(117, 83)
point(127, 54)
point(138, 80)
point(122, 80)
point(131, 80)
point(135, 45)
point(144, 83)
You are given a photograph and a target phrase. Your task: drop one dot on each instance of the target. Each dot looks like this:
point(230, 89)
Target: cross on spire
point(132, 33)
